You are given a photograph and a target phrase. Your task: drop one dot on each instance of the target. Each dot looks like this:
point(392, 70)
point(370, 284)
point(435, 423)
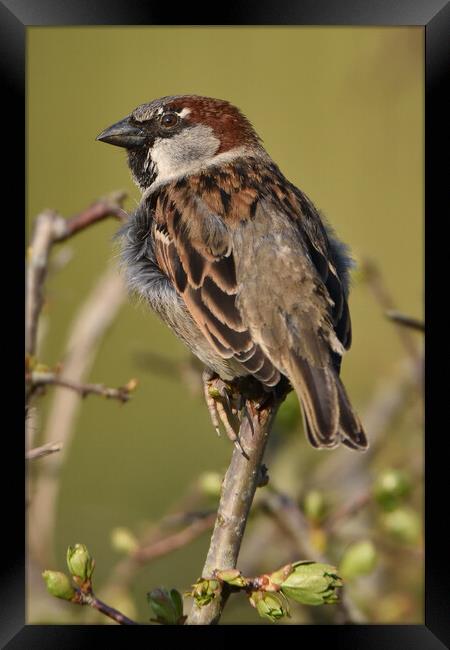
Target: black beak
point(123, 134)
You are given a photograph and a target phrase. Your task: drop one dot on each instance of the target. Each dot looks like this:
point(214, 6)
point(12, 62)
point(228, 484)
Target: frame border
point(15, 17)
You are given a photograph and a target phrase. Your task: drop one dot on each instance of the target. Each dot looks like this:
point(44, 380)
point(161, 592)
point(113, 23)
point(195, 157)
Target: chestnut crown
point(178, 135)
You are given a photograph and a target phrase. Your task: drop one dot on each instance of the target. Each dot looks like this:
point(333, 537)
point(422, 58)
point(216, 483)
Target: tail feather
point(351, 430)
point(328, 416)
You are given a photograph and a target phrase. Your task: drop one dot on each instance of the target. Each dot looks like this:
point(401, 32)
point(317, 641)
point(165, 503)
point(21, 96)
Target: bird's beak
point(123, 134)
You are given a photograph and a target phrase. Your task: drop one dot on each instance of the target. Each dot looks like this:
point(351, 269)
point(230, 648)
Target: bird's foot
point(223, 406)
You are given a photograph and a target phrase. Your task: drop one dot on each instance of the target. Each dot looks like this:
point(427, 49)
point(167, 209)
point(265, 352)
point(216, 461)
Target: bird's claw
point(219, 400)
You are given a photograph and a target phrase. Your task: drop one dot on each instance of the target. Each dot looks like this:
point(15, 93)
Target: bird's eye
point(169, 120)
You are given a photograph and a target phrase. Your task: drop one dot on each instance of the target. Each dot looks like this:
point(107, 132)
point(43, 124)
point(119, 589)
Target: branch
point(386, 301)
point(291, 520)
point(126, 569)
point(174, 541)
point(53, 379)
point(50, 228)
point(347, 510)
point(405, 321)
point(92, 320)
point(45, 450)
point(82, 598)
point(38, 252)
point(238, 489)
point(109, 206)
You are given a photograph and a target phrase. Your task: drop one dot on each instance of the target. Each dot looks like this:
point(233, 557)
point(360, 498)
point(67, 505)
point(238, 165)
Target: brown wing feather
point(316, 239)
point(200, 264)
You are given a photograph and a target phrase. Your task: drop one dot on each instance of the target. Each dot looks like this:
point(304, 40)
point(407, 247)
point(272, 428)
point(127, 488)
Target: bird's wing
point(323, 257)
point(193, 247)
point(293, 302)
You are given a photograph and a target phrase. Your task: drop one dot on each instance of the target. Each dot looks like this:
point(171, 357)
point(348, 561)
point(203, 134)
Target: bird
point(237, 260)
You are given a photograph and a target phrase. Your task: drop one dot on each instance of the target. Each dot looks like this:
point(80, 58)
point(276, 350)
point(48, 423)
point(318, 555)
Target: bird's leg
point(220, 400)
point(207, 378)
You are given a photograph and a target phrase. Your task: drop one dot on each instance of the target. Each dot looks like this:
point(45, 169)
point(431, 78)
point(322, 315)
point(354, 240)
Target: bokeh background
point(341, 111)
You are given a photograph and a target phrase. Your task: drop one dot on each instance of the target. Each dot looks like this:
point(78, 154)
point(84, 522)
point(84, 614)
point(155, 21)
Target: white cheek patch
point(191, 151)
point(183, 153)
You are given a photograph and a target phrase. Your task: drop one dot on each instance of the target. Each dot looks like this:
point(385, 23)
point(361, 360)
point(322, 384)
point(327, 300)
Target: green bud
point(211, 484)
point(123, 540)
point(58, 584)
point(204, 591)
point(167, 605)
point(359, 559)
point(232, 577)
point(390, 487)
point(80, 563)
point(312, 583)
point(269, 605)
point(403, 524)
point(314, 505)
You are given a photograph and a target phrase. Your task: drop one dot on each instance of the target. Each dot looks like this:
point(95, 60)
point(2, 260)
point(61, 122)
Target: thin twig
point(381, 293)
point(238, 489)
point(292, 521)
point(155, 543)
point(405, 321)
point(347, 510)
point(93, 319)
point(109, 206)
point(82, 598)
point(285, 511)
point(175, 541)
point(53, 379)
point(44, 450)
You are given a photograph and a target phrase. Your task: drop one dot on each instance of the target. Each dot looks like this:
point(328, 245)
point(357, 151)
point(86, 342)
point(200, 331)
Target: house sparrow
point(236, 259)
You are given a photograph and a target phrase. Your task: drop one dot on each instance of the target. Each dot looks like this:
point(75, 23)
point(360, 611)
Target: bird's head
point(180, 135)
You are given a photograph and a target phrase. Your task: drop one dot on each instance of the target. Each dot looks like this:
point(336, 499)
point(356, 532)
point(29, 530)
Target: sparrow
point(237, 260)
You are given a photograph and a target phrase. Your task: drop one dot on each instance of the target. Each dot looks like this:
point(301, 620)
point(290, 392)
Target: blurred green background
point(340, 110)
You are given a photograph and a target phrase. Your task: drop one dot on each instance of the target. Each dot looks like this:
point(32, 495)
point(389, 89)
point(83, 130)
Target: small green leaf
point(204, 591)
point(269, 605)
point(167, 605)
point(312, 583)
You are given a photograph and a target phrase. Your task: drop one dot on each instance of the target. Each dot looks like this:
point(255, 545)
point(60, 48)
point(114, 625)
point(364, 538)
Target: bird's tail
point(328, 416)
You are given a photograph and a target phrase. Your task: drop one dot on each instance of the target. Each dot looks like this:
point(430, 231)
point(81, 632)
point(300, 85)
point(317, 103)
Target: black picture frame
point(15, 17)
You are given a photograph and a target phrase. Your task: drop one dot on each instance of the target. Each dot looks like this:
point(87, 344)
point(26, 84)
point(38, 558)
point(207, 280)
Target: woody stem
point(238, 490)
